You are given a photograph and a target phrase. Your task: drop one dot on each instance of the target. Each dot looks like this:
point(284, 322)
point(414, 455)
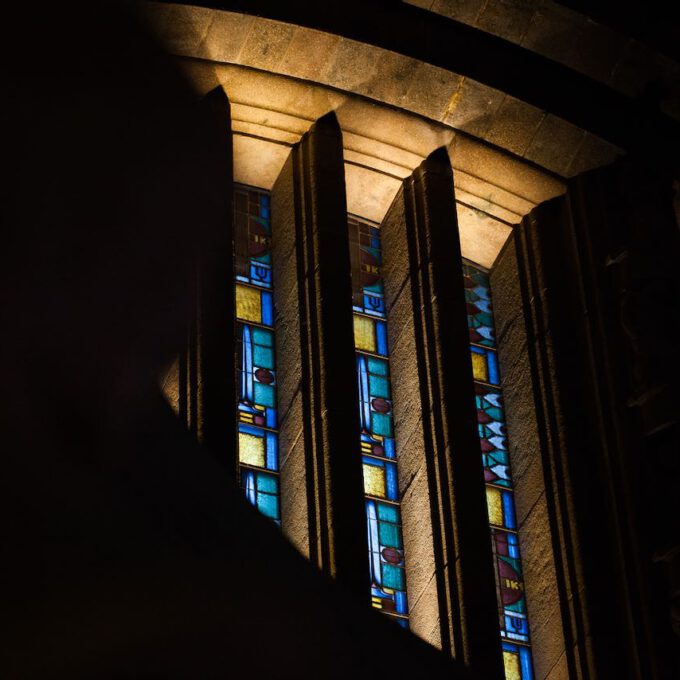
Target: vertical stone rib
point(316, 221)
point(443, 446)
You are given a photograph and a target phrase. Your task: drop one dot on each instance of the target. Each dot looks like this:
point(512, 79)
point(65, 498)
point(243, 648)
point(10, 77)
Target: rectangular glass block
point(263, 357)
point(378, 366)
point(248, 305)
point(391, 482)
point(379, 386)
point(267, 309)
point(263, 337)
point(393, 577)
point(390, 535)
point(268, 505)
point(272, 451)
point(364, 334)
point(381, 424)
point(251, 449)
point(381, 337)
point(265, 395)
point(267, 483)
point(388, 513)
point(480, 370)
point(511, 666)
point(374, 480)
point(494, 504)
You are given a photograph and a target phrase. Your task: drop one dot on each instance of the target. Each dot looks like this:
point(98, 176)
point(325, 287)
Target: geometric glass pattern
point(379, 458)
point(499, 491)
point(256, 362)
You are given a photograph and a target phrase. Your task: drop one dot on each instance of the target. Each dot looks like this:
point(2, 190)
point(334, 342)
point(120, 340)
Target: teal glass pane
point(393, 577)
point(378, 387)
point(381, 424)
point(263, 357)
point(378, 366)
point(264, 395)
point(390, 536)
point(267, 483)
point(268, 505)
point(263, 337)
point(388, 513)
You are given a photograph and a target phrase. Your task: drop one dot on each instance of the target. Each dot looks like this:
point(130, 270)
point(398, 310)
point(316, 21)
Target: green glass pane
point(377, 366)
point(389, 535)
point(267, 483)
point(263, 337)
point(381, 424)
point(388, 513)
point(264, 395)
point(268, 505)
point(378, 387)
point(393, 577)
point(263, 356)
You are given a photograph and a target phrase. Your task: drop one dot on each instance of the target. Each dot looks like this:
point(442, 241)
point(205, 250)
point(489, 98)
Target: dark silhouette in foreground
point(128, 550)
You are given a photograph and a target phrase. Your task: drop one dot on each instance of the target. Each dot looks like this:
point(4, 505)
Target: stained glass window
point(379, 458)
point(499, 492)
point(256, 360)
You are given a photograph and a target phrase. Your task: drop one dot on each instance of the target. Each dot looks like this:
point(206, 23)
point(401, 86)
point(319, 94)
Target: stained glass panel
point(385, 545)
point(499, 494)
point(255, 358)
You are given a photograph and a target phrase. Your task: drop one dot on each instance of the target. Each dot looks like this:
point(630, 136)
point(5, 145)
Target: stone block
point(555, 144)
point(266, 44)
point(508, 19)
point(514, 125)
point(309, 54)
point(465, 11)
point(431, 90)
point(473, 107)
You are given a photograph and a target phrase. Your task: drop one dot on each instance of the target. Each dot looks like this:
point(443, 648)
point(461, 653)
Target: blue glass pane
point(267, 309)
point(272, 451)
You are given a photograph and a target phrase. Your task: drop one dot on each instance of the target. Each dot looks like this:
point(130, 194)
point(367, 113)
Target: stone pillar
point(599, 278)
point(321, 479)
point(206, 378)
point(532, 501)
point(450, 577)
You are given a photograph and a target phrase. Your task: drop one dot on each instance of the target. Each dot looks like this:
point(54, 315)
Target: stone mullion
point(206, 375)
point(310, 224)
point(444, 445)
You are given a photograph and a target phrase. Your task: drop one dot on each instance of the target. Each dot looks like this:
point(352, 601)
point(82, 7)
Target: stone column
point(321, 479)
point(599, 278)
point(206, 373)
point(450, 577)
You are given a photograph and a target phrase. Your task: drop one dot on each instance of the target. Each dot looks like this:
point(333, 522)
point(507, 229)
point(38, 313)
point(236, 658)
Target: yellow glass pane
point(511, 664)
point(374, 480)
point(479, 370)
point(251, 449)
point(494, 503)
point(248, 305)
point(364, 334)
